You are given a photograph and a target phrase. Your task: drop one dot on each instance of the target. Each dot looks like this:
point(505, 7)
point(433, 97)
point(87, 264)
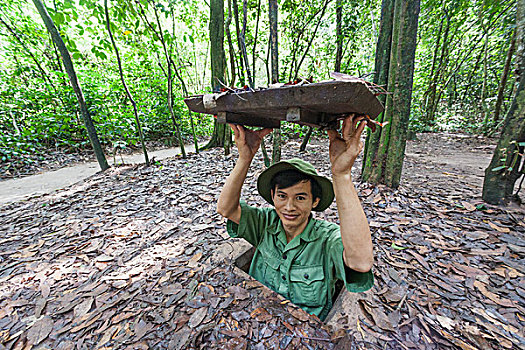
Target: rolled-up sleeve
point(251, 225)
point(354, 281)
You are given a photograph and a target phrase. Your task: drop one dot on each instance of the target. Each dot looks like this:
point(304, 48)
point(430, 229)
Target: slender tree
point(506, 166)
point(239, 42)
point(221, 136)
point(381, 68)
point(274, 48)
point(504, 78)
point(169, 66)
point(231, 50)
point(243, 42)
point(338, 35)
point(385, 164)
point(124, 85)
point(68, 65)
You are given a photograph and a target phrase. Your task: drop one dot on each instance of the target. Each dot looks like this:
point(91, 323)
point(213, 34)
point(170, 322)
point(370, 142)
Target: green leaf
point(77, 55)
point(58, 18)
point(101, 55)
point(396, 247)
point(498, 168)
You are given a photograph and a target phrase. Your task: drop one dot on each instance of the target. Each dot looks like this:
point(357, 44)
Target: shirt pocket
point(269, 270)
point(307, 284)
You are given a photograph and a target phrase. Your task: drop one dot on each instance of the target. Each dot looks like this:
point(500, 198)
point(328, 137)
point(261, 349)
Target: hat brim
point(265, 190)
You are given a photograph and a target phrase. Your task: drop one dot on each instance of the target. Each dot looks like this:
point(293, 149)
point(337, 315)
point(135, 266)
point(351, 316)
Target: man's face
point(294, 205)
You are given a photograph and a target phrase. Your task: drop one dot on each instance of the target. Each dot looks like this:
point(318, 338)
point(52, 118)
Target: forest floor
point(133, 258)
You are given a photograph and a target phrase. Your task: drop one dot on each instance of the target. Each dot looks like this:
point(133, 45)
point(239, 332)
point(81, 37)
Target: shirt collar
point(308, 234)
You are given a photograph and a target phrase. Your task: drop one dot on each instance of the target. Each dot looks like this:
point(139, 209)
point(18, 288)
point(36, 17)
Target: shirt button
point(284, 256)
point(306, 276)
point(284, 278)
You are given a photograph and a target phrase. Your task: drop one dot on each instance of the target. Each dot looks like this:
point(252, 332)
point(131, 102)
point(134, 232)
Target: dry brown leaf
point(205, 197)
point(106, 336)
point(123, 316)
point(40, 330)
point(261, 315)
point(197, 317)
point(446, 322)
point(142, 328)
point(499, 228)
point(194, 259)
point(200, 227)
point(39, 306)
point(45, 289)
point(495, 298)
point(503, 270)
point(298, 313)
point(85, 324)
point(378, 315)
point(83, 308)
point(143, 345)
point(468, 206)
point(456, 341)
point(180, 339)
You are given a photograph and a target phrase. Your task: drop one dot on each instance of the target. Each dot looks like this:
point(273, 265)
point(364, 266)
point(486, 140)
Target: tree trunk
point(505, 167)
point(221, 132)
point(381, 67)
point(338, 35)
point(68, 65)
point(504, 78)
point(484, 111)
point(242, 77)
point(128, 93)
point(255, 40)
point(184, 89)
point(385, 165)
point(274, 45)
point(169, 64)
point(433, 98)
point(306, 139)
point(272, 14)
point(242, 43)
point(432, 70)
point(230, 44)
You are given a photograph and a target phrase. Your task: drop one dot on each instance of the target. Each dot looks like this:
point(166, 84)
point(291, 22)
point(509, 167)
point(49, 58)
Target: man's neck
point(291, 233)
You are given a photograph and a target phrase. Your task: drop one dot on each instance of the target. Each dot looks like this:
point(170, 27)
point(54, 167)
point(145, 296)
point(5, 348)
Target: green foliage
point(38, 110)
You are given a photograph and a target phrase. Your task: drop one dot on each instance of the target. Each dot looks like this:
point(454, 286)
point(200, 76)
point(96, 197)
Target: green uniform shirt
point(304, 270)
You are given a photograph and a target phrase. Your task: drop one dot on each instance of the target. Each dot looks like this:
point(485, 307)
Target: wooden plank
point(233, 118)
point(318, 104)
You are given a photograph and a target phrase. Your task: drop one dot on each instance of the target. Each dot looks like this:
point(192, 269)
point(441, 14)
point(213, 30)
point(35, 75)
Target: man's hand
point(248, 141)
point(345, 148)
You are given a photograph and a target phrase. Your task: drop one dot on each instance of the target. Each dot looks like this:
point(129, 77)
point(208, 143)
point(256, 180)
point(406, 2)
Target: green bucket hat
point(264, 181)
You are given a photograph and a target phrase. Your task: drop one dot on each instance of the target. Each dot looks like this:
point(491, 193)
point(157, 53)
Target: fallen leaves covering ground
point(127, 259)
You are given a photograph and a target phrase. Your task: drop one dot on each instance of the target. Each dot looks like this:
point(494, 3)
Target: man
point(297, 256)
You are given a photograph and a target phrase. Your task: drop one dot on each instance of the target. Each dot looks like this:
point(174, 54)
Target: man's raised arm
point(248, 142)
point(355, 232)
